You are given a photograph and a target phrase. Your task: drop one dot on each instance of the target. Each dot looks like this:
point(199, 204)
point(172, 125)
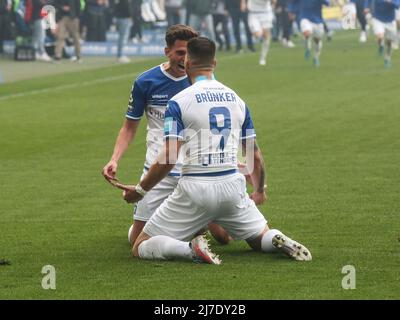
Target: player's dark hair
point(179, 32)
point(201, 51)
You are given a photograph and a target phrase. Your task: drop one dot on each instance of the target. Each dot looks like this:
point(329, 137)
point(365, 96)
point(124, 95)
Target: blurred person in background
point(283, 22)
point(5, 9)
point(135, 33)
point(238, 12)
point(96, 20)
point(384, 25)
point(220, 18)
point(201, 17)
point(360, 7)
point(173, 11)
point(123, 14)
point(311, 25)
point(39, 33)
point(68, 13)
point(261, 18)
point(395, 44)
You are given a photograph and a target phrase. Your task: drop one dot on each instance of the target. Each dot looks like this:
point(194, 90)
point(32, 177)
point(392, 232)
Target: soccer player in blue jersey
point(384, 25)
point(311, 24)
point(209, 121)
point(150, 93)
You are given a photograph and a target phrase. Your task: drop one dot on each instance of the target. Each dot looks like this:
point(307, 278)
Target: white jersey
point(212, 120)
point(259, 6)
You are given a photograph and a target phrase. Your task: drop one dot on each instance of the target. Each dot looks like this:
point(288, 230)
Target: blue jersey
point(383, 10)
point(150, 94)
point(211, 119)
point(309, 9)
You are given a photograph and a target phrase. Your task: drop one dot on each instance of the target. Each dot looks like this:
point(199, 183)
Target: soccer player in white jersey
point(311, 25)
point(261, 18)
point(384, 25)
point(150, 93)
point(209, 121)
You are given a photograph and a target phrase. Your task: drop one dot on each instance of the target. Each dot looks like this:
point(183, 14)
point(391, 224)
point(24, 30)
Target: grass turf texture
point(331, 140)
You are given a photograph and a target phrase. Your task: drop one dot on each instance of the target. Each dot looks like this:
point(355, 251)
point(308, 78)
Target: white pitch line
point(85, 83)
point(67, 86)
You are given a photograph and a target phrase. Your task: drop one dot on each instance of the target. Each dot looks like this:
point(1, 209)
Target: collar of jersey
point(201, 78)
point(171, 76)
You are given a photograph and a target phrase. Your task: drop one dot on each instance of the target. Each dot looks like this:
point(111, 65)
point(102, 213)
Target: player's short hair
point(201, 51)
point(179, 32)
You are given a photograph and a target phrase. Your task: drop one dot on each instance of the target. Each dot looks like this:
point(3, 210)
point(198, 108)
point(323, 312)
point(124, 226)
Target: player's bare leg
point(135, 230)
point(317, 53)
point(388, 54)
point(381, 44)
point(307, 42)
point(266, 40)
point(219, 233)
point(273, 240)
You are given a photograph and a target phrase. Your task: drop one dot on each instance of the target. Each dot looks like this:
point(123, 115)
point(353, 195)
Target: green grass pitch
point(331, 141)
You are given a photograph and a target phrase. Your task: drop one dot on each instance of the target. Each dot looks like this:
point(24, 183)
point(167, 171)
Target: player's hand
point(258, 197)
point(110, 170)
point(131, 196)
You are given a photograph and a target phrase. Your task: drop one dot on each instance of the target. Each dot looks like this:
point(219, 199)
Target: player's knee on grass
point(140, 239)
point(137, 228)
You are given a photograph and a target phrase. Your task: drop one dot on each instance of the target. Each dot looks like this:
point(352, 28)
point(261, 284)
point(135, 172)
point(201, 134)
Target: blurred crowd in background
point(77, 21)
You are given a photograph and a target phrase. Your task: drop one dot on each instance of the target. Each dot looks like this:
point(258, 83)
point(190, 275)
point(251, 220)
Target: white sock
point(308, 43)
point(388, 54)
point(164, 248)
point(266, 241)
point(318, 49)
point(265, 48)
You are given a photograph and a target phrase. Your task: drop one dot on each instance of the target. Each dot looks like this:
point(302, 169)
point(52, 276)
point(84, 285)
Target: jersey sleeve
point(137, 103)
point(173, 124)
point(248, 131)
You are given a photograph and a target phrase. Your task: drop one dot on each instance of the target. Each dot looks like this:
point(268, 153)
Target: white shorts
point(315, 29)
point(197, 201)
point(388, 30)
point(260, 21)
point(398, 15)
point(145, 208)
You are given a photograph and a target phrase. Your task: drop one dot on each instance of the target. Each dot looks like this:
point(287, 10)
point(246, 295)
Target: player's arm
point(136, 106)
point(254, 160)
point(157, 171)
point(125, 136)
point(256, 171)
